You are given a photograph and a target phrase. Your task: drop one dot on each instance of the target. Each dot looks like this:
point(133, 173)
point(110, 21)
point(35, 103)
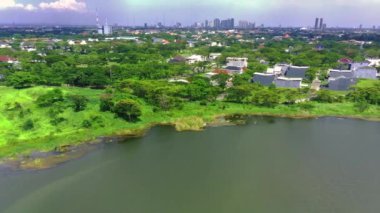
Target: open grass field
point(44, 136)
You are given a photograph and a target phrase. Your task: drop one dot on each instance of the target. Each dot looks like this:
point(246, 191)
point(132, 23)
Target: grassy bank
point(44, 136)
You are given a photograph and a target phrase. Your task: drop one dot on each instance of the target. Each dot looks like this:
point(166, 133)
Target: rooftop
point(289, 79)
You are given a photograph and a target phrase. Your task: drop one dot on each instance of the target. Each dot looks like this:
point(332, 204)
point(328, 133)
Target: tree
point(221, 79)
point(266, 98)
point(79, 102)
point(311, 74)
point(239, 93)
point(166, 102)
point(128, 109)
point(21, 80)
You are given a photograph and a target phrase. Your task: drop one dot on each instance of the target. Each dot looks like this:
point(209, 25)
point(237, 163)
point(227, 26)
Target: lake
point(268, 165)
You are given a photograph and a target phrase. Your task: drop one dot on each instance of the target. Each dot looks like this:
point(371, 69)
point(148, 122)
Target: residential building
point(214, 56)
point(177, 59)
point(8, 59)
point(356, 65)
point(195, 59)
point(296, 72)
point(283, 82)
point(278, 69)
point(234, 70)
point(264, 79)
point(366, 73)
point(341, 73)
point(237, 62)
point(341, 83)
point(4, 45)
point(374, 62)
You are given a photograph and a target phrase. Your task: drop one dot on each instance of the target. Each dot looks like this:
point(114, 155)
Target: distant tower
point(217, 23)
point(316, 23)
point(99, 27)
point(321, 24)
point(107, 30)
point(232, 23)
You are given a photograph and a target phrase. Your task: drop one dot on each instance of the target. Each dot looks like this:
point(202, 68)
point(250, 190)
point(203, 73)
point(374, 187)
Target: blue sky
point(270, 12)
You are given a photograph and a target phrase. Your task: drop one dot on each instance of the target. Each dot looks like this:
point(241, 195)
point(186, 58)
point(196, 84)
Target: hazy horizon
point(137, 12)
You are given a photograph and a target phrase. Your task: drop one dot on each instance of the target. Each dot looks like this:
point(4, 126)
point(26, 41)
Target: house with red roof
point(7, 59)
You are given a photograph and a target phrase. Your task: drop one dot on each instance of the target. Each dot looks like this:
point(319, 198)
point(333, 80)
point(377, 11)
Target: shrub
point(362, 106)
point(86, 124)
point(50, 98)
point(79, 102)
point(28, 125)
point(326, 96)
point(306, 106)
point(106, 103)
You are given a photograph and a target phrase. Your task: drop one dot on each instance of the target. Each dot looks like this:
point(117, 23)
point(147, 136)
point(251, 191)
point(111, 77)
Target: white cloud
point(73, 5)
point(9, 4)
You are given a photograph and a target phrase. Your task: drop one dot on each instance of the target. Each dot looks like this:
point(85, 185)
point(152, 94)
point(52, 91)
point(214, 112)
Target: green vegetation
point(26, 127)
point(70, 94)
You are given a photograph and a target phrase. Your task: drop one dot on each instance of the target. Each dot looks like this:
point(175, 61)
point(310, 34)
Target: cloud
point(73, 5)
point(12, 4)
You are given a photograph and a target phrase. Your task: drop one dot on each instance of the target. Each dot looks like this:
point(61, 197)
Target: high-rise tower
point(98, 26)
point(321, 24)
point(316, 23)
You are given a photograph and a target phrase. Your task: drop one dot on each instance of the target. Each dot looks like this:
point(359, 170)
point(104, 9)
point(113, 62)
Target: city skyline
point(169, 12)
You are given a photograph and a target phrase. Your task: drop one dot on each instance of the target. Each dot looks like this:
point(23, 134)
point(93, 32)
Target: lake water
point(269, 165)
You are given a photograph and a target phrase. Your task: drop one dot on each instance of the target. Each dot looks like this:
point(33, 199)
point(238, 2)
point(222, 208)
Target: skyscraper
point(321, 24)
point(217, 23)
point(232, 23)
point(316, 23)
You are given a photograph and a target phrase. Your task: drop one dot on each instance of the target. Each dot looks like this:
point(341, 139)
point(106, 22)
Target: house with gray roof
point(356, 65)
point(288, 82)
point(296, 72)
point(341, 83)
point(264, 79)
point(339, 73)
point(234, 69)
point(366, 73)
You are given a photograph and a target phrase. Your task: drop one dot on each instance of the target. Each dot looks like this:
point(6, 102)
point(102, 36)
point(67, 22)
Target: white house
point(214, 56)
point(195, 59)
point(5, 45)
point(237, 62)
point(71, 42)
point(374, 62)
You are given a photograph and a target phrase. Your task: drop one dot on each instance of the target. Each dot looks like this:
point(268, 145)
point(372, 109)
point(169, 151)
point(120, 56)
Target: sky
point(345, 13)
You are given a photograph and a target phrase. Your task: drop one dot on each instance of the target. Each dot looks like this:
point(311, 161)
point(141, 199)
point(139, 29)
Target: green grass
point(45, 137)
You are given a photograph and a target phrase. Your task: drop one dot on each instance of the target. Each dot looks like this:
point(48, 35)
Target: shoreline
point(41, 160)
